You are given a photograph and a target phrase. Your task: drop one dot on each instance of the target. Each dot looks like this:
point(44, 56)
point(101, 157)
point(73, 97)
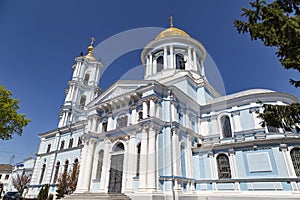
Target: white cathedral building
point(169, 136)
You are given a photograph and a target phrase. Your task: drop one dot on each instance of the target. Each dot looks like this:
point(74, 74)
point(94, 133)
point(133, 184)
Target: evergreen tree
point(43, 194)
point(276, 24)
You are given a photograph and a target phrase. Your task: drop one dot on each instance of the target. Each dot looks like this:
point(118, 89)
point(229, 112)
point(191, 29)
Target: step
point(89, 195)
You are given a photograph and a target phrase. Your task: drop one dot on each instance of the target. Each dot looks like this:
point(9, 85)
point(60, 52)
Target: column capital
point(210, 154)
point(234, 113)
point(231, 151)
point(283, 147)
point(253, 110)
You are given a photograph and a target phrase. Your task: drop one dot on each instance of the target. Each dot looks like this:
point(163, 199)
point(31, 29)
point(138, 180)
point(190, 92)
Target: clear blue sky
point(40, 39)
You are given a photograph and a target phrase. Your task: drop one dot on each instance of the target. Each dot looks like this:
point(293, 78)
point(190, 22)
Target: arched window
point(56, 172)
point(79, 141)
point(71, 143)
point(66, 167)
point(295, 155)
point(82, 101)
point(48, 148)
point(119, 147)
point(160, 63)
point(75, 167)
point(138, 159)
point(226, 127)
point(182, 156)
point(140, 115)
point(42, 173)
point(180, 63)
point(86, 79)
point(62, 145)
point(99, 164)
point(223, 166)
point(104, 126)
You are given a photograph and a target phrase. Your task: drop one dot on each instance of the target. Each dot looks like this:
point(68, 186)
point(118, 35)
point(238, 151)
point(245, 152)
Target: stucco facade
point(171, 135)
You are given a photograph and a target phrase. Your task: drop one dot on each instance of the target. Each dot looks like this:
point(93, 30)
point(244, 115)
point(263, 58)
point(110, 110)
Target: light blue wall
point(247, 121)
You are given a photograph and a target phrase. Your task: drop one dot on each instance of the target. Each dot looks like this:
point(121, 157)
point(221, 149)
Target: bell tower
point(82, 89)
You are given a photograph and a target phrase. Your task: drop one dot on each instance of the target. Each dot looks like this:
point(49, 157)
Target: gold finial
point(90, 50)
point(171, 21)
point(92, 41)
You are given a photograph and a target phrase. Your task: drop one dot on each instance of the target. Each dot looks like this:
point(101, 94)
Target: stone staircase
point(100, 196)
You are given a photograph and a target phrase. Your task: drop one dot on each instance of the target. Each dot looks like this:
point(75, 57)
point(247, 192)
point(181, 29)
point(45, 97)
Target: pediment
point(118, 89)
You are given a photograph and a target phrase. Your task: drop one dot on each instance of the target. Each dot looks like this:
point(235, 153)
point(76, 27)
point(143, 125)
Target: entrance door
point(116, 173)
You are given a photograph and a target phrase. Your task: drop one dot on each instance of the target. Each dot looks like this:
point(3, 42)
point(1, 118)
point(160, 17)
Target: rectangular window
point(6, 177)
point(0, 176)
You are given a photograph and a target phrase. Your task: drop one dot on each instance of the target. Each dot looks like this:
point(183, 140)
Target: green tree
point(276, 24)
point(10, 121)
point(67, 182)
point(43, 194)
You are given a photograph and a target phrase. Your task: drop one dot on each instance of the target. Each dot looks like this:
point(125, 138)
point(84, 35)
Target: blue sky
point(40, 39)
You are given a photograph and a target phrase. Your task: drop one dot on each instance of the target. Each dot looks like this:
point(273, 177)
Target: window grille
point(223, 166)
point(295, 155)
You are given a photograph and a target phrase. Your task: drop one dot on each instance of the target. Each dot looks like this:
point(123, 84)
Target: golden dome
point(170, 32)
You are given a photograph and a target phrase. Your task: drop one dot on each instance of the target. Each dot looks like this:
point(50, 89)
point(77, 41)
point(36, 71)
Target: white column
point(109, 123)
point(189, 163)
point(232, 163)
point(194, 67)
point(288, 161)
point(105, 167)
point(255, 118)
point(89, 164)
point(189, 61)
point(152, 108)
point(151, 175)
point(154, 68)
point(133, 115)
point(165, 57)
point(175, 156)
point(213, 166)
point(174, 112)
point(80, 186)
point(151, 64)
point(130, 163)
point(143, 161)
point(94, 124)
point(236, 119)
point(145, 110)
point(171, 58)
point(147, 67)
point(214, 125)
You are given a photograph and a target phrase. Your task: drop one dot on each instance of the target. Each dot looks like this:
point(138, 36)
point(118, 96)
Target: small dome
point(170, 32)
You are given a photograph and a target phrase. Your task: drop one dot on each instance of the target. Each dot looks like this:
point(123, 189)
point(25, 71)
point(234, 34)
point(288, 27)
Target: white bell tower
point(83, 87)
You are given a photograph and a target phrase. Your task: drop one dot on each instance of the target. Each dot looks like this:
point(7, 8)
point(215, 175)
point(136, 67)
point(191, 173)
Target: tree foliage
point(10, 121)
point(276, 24)
point(43, 194)
point(287, 117)
point(20, 182)
point(67, 182)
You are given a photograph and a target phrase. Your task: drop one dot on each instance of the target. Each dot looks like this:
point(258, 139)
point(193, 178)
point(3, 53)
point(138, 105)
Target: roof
point(6, 168)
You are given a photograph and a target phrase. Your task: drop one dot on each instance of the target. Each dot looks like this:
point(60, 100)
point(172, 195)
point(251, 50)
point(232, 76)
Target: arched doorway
point(116, 169)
